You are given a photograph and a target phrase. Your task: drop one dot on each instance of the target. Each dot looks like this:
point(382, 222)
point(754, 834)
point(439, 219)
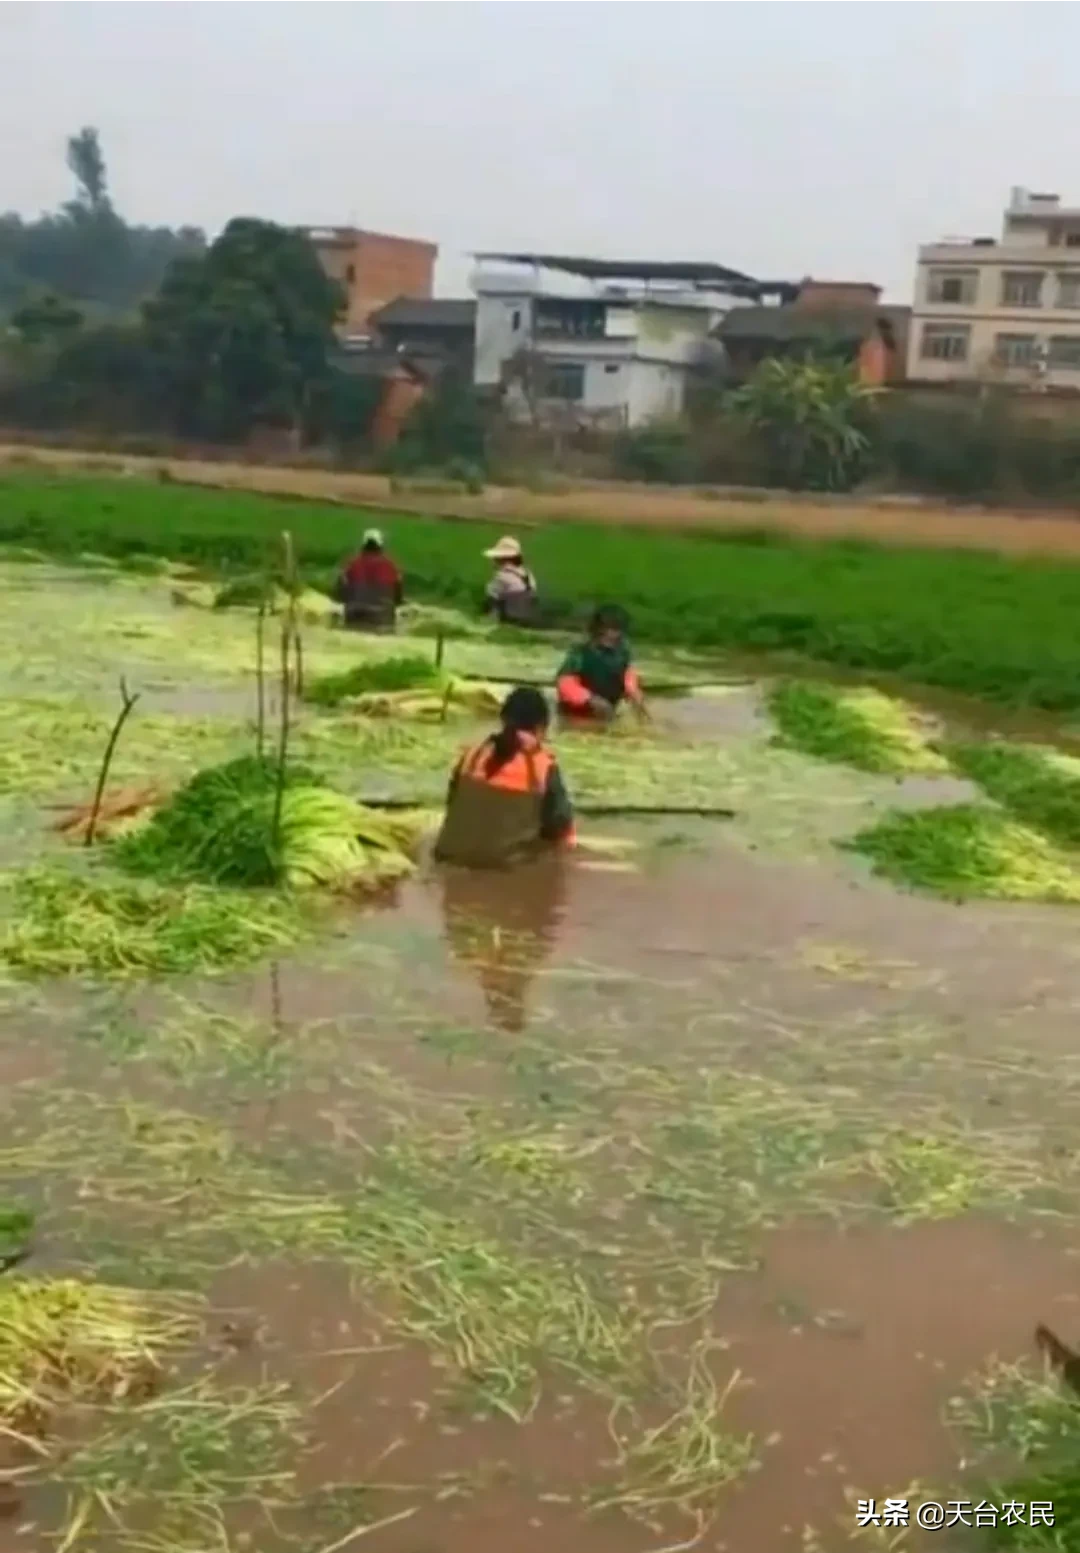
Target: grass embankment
point(861, 728)
point(998, 627)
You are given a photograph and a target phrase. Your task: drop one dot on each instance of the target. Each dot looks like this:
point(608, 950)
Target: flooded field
point(679, 1194)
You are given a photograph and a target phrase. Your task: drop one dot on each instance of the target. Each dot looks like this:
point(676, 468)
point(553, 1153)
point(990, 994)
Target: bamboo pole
point(260, 678)
point(288, 630)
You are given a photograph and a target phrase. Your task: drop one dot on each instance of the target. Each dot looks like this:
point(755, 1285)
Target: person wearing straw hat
point(371, 586)
point(511, 593)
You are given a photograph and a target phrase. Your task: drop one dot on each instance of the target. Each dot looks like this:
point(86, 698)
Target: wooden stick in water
point(126, 703)
point(588, 810)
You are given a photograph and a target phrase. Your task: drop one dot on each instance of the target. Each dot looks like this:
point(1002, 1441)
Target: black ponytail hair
point(525, 710)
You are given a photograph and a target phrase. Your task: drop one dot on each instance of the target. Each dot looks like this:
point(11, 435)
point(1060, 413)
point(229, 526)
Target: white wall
point(497, 338)
point(655, 391)
point(606, 384)
point(636, 377)
point(672, 334)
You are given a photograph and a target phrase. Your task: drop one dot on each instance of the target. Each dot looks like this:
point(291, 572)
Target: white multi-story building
point(1007, 309)
point(592, 340)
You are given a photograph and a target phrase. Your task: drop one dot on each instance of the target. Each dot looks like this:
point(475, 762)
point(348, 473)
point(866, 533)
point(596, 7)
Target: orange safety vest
point(494, 820)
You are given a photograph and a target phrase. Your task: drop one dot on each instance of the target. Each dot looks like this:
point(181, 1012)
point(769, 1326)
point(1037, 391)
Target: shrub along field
point(1002, 628)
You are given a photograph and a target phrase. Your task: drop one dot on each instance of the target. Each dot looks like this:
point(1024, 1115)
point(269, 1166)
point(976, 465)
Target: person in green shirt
point(598, 674)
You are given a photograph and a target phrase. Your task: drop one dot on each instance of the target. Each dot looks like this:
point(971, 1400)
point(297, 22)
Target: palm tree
point(814, 418)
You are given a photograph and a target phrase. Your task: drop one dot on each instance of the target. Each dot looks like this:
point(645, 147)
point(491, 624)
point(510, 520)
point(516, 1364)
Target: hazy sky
point(783, 139)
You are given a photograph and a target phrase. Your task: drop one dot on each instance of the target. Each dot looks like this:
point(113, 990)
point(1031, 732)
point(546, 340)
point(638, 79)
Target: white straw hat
point(507, 549)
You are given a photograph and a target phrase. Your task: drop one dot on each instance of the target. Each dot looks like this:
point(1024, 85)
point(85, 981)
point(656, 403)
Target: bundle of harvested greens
point(16, 1227)
point(1038, 785)
point(228, 826)
point(311, 606)
point(858, 727)
point(62, 1339)
point(964, 851)
point(407, 687)
point(436, 620)
point(383, 675)
point(58, 922)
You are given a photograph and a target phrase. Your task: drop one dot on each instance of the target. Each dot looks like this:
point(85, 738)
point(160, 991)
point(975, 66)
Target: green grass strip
point(1037, 785)
point(1002, 627)
point(965, 851)
point(861, 728)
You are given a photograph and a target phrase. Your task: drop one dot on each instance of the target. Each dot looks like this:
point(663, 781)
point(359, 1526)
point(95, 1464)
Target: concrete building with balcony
point(373, 269)
point(1002, 309)
point(609, 343)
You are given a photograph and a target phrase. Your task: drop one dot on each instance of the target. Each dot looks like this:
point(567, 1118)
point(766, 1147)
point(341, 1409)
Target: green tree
point(814, 420)
point(46, 320)
point(87, 251)
point(446, 429)
point(241, 336)
point(86, 160)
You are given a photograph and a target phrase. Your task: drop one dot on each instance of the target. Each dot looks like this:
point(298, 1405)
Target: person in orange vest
point(507, 800)
point(598, 673)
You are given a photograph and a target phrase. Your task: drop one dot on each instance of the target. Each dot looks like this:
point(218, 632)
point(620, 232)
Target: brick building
point(374, 269)
point(825, 318)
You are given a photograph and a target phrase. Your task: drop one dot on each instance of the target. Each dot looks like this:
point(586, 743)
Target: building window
point(566, 380)
point(1014, 350)
point(515, 319)
point(1072, 239)
point(611, 367)
point(1069, 290)
point(955, 286)
point(1021, 288)
point(350, 273)
point(945, 342)
point(569, 317)
point(1065, 352)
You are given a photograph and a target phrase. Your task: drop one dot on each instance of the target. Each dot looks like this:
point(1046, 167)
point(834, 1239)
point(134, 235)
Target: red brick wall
point(875, 361)
point(821, 295)
point(400, 394)
point(384, 268)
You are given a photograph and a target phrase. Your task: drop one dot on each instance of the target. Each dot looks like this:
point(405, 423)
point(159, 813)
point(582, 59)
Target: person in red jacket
point(371, 586)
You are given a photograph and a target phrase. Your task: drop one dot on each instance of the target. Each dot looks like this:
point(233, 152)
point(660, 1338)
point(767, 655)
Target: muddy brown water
point(848, 1342)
